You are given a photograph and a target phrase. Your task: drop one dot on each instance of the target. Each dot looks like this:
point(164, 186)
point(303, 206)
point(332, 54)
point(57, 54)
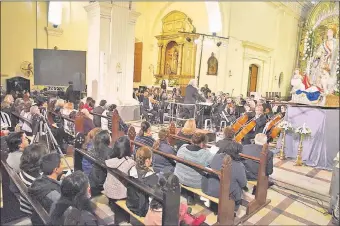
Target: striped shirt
point(25, 206)
point(146, 140)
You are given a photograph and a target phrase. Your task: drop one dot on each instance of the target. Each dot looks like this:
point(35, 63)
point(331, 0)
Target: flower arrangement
point(285, 125)
point(303, 130)
point(308, 46)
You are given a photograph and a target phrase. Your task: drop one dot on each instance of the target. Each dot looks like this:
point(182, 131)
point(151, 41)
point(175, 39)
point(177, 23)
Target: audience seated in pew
point(46, 189)
point(30, 170)
point(229, 135)
point(87, 122)
point(99, 110)
point(27, 115)
point(211, 183)
point(103, 152)
point(195, 153)
point(144, 136)
point(137, 201)
point(89, 145)
point(89, 105)
point(252, 167)
point(187, 131)
point(106, 124)
point(74, 206)
point(161, 163)
point(120, 159)
point(16, 143)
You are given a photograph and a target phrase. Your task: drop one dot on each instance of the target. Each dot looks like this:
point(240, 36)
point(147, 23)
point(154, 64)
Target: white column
point(122, 54)
point(99, 19)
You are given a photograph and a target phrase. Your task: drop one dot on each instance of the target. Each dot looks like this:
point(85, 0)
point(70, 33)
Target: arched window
point(214, 16)
point(55, 12)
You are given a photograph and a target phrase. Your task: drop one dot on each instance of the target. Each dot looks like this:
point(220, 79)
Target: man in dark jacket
point(148, 107)
point(99, 110)
point(46, 189)
point(260, 120)
point(69, 94)
point(191, 96)
point(252, 167)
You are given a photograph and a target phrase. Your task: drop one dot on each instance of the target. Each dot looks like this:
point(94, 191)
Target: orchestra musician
point(260, 120)
point(191, 96)
point(148, 106)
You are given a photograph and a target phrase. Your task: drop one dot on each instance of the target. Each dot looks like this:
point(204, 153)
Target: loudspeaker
point(79, 82)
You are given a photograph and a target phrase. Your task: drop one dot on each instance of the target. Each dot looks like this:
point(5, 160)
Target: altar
point(322, 145)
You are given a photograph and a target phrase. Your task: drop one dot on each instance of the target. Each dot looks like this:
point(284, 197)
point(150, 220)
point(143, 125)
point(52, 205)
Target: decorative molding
point(133, 16)
point(51, 31)
point(102, 8)
point(251, 45)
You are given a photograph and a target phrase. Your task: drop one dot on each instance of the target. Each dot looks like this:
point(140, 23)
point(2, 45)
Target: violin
point(245, 130)
point(237, 125)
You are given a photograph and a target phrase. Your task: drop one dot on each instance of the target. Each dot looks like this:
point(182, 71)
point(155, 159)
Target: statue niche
point(212, 65)
point(176, 50)
point(171, 58)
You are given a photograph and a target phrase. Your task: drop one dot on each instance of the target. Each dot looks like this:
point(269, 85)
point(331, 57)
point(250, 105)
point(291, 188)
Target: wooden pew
point(262, 182)
point(169, 198)
point(226, 205)
point(43, 215)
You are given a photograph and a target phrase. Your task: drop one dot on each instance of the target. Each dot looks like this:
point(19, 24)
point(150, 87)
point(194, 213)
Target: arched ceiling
point(300, 7)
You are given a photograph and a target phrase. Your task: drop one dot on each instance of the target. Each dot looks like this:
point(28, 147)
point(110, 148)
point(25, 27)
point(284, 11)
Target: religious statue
point(174, 62)
point(324, 62)
point(301, 85)
point(212, 65)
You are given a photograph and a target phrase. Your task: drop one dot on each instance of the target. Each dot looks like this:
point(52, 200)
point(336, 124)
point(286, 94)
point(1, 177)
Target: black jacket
point(97, 119)
point(69, 94)
point(223, 144)
point(146, 104)
point(252, 167)
point(98, 174)
point(46, 191)
point(192, 95)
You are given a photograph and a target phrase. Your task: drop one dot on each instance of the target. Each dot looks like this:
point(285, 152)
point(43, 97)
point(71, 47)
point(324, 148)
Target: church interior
point(158, 113)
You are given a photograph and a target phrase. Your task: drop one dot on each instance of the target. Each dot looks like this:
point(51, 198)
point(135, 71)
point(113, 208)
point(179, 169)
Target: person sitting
point(211, 183)
point(103, 152)
point(88, 104)
point(74, 206)
point(16, 143)
point(148, 107)
point(88, 123)
point(106, 123)
point(137, 201)
point(252, 167)
point(46, 189)
point(144, 136)
point(99, 110)
point(68, 108)
point(27, 115)
point(260, 120)
point(89, 146)
point(187, 131)
point(229, 135)
point(120, 159)
point(159, 162)
point(195, 153)
point(30, 170)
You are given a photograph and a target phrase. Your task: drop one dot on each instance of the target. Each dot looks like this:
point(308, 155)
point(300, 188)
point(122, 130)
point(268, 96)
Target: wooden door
point(137, 74)
point(253, 71)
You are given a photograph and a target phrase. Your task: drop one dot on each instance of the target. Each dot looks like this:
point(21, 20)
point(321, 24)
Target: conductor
point(191, 96)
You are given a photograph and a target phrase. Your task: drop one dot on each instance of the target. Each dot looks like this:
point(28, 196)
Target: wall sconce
point(188, 39)
point(219, 44)
point(118, 68)
point(230, 73)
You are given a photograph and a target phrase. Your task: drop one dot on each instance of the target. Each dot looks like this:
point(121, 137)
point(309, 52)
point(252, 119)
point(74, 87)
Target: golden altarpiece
point(176, 50)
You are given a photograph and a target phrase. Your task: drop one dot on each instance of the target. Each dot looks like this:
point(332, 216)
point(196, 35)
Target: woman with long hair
point(137, 201)
point(89, 146)
point(211, 183)
point(103, 152)
point(30, 170)
point(160, 163)
point(27, 115)
point(74, 206)
point(88, 123)
point(120, 159)
point(144, 136)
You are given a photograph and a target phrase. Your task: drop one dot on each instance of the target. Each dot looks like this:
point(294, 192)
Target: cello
point(273, 121)
point(245, 130)
point(275, 131)
point(237, 125)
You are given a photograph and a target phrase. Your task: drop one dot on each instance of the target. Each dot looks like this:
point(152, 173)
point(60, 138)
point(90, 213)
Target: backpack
point(137, 201)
